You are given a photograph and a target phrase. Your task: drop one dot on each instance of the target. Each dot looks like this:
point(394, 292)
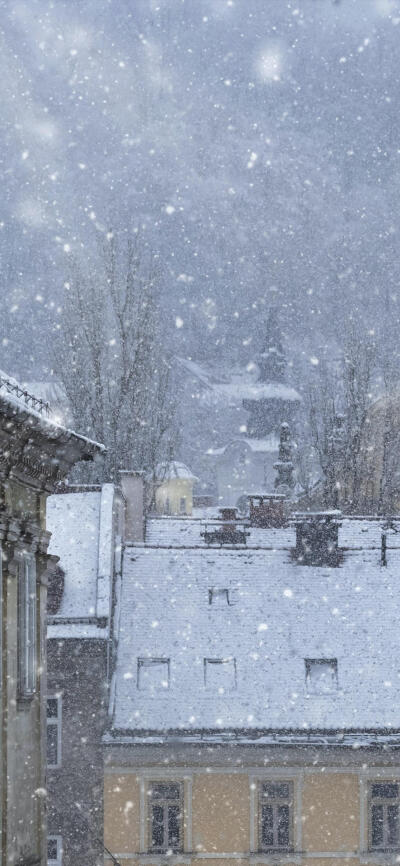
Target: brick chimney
point(317, 538)
point(267, 510)
point(133, 491)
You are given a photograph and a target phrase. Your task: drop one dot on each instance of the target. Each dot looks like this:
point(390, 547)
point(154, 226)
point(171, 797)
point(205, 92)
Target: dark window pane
point(52, 708)
point(267, 827)
point(173, 826)
point(276, 789)
point(385, 789)
point(165, 792)
point(283, 826)
point(52, 744)
point(377, 826)
point(52, 849)
point(157, 827)
point(393, 825)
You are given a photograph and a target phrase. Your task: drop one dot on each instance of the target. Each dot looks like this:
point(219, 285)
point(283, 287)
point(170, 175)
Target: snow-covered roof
point(81, 526)
point(268, 445)
point(54, 395)
point(18, 400)
point(279, 614)
point(238, 391)
point(174, 469)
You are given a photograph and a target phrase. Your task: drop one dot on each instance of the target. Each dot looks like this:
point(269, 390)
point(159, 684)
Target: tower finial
point(284, 480)
point(272, 361)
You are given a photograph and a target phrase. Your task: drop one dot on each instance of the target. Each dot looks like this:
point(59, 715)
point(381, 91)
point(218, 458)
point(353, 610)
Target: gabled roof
point(279, 614)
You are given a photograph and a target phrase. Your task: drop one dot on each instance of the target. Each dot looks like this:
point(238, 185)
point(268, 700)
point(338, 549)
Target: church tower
point(272, 402)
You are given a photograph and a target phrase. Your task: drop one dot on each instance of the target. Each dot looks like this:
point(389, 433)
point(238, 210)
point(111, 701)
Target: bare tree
point(338, 415)
point(358, 368)
point(111, 363)
point(327, 433)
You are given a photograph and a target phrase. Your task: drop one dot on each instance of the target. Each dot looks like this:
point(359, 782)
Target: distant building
point(35, 454)
point(174, 488)
point(86, 526)
point(254, 716)
point(247, 463)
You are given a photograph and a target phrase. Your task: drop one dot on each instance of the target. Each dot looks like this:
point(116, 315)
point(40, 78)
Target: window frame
point(143, 662)
point(27, 628)
point(384, 801)
point(333, 663)
point(164, 802)
point(55, 722)
point(220, 661)
point(58, 839)
point(279, 801)
point(215, 595)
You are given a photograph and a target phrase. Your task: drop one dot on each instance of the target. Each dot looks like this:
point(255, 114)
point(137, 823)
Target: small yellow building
point(174, 488)
point(254, 714)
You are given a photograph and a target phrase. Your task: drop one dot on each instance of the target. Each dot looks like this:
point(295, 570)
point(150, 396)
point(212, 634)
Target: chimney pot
point(317, 538)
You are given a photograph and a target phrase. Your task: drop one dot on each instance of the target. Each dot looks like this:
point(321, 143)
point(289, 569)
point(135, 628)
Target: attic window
point(153, 674)
point(321, 676)
point(220, 675)
point(218, 597)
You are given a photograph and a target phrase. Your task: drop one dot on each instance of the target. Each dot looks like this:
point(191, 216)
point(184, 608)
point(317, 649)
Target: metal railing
point(40, 406)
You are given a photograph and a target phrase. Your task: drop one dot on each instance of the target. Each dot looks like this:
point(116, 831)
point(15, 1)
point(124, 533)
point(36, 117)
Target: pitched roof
point(17, 401)
point(81, 526)
point(279, 614)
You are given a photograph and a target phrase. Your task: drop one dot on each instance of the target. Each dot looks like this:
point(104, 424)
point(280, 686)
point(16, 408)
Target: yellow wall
point(174, 490)
point(221, 814)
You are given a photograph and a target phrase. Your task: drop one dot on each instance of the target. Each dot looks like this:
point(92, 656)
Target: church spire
point(272, 361)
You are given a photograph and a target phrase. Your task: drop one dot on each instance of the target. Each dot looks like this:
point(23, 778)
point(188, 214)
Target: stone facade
point(34, 455)
point(329, 803)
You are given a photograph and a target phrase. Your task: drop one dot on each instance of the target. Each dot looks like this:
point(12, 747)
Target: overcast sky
point(255, 142)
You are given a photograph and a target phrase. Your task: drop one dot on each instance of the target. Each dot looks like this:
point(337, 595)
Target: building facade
point(254, 717)
point(35, 454)
point(86, 527)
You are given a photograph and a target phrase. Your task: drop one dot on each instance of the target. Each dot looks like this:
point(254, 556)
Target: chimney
point(317, 538)
point(133, 491)
point(267, 510)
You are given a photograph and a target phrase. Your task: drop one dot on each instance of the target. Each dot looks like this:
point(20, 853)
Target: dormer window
point(220, 675)
point(321, 676)
point(153, 675)
point(218, 597)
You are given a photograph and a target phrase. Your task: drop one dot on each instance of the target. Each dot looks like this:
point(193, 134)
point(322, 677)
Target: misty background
point(253, 143)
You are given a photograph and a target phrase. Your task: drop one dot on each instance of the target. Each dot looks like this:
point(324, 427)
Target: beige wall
point(221, 814)
point(175, 490)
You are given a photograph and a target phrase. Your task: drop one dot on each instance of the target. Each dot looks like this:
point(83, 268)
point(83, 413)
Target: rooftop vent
point(228, 529)
point(317, 537)
point(267, 510)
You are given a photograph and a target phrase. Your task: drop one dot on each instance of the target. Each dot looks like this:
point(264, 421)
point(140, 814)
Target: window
point(165, 817)
point(27, 649)
point(153, 674)
point(276, 816)
point(220, 674)
point(218, 597)
point(53, 731)
point(321, 676)
point(182, 505)
point(384, 816)
point(54, 851)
